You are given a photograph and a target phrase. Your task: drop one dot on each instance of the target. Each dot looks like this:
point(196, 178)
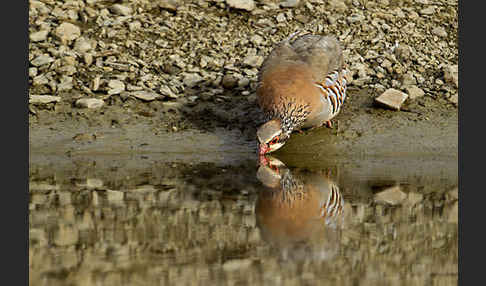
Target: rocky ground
point(192, 65)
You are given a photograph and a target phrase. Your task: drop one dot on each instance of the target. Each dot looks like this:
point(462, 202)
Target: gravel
point(177, 49)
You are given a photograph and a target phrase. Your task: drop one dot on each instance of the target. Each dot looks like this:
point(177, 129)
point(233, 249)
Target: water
point(159, 219)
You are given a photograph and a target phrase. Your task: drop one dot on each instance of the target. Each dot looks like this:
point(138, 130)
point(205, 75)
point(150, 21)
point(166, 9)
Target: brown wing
point(323, 54)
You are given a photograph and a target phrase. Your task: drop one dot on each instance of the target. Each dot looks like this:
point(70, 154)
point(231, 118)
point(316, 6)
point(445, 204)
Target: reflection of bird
point(301, 84)
point(298, 206)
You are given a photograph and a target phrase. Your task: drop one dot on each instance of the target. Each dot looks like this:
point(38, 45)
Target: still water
point(158, 220)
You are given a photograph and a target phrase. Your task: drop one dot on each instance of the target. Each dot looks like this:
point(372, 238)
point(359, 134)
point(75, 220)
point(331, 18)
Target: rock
point(96, 83)
point(439, 31)
point(451, 74)
point(338, 5)
point(42, 60)
point(454, 99)
point(93, 183)
point(237, 264)
point(121, 9)
point(114, 196)
point(428, 11)
point(243, 81)
point(393, 196)
point(392, 98)
point(145, 95)
point(192, 79)
point(256, 39)
point(229, 81)
point(88, 58)
point(67, 70)
point(135, 25)
point(32, 72)
point(43, 99)
point(165, 90)
point(253, 61)
point(116, 86)
point(170, 5)
point(354, 18)
point(82, 45)
point(414, 92)
point(67, 32)
point(247, 5)
point(40, 80)
point(402, 51)
point(39, 36)
point(65, 84)
point(408, 79)
point(289, 3)
point(281, 18)
point(89, 103)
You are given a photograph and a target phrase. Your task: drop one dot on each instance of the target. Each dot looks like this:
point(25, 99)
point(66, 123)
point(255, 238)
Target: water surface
point(156, 219)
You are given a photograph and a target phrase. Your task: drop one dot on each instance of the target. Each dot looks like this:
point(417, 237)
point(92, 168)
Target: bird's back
point(322, 54)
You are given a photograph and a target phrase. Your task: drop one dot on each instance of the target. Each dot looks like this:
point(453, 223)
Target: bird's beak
point(263, 149)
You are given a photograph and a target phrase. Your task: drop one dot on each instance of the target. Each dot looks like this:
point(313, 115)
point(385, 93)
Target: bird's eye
point(274, 140)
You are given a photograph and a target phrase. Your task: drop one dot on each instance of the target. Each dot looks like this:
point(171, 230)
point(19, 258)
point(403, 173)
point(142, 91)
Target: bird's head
point(271, 136)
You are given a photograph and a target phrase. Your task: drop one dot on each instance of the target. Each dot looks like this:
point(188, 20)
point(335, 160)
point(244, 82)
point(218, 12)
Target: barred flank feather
point(334, 205)
point(334, 90)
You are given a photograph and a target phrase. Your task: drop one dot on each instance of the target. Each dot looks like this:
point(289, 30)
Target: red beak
point(263, 149)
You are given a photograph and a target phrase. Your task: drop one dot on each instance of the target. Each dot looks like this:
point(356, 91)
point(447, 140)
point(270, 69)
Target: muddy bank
point(425, 127)
point(177, 76)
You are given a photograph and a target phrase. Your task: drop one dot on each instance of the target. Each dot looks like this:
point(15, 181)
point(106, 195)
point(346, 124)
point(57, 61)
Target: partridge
point(301, 84)
point(297, 204)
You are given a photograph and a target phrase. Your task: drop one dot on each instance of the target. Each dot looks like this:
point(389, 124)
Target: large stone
point(65, 84)
point(116, 86)
point(170, 5)
point(439, 31)
point(229, 81)
point(145, 95)
point(428, 11)
point(89, 103)
point(392, 196)
point(42, 60)
point(248, 5)
point(392, 98)
point(43, 99)
point(289, 3)
point(67, 32)
point(253, 61)
point(121, 9)
point(192, 79)
point(82, 45)
point(414, 92)
point(39, 36)
point(451, 74)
